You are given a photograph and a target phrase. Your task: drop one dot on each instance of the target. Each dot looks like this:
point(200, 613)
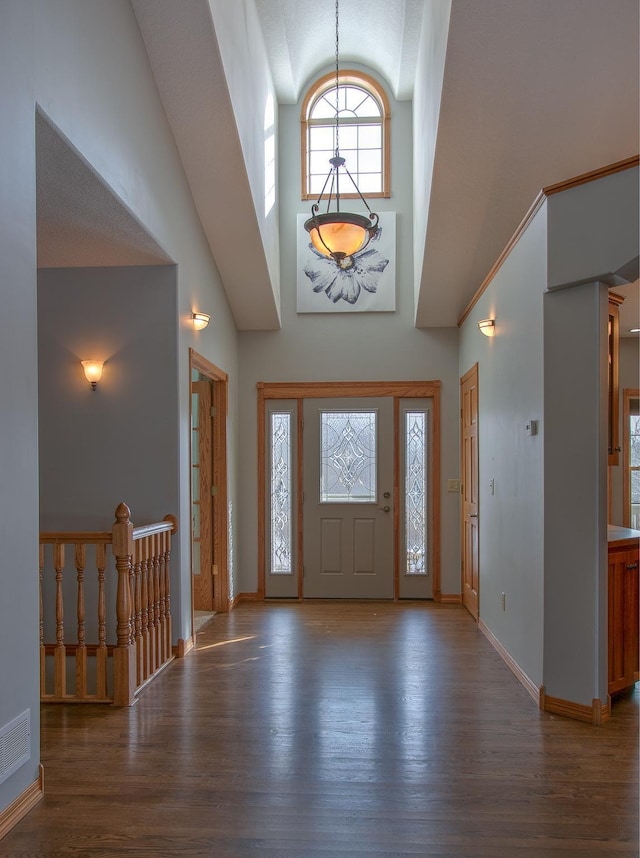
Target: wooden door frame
point(472, 372)
point(628, 394)
point(299, 391)
point(220, 384)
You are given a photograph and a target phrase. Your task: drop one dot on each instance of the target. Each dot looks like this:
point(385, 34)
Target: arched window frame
point(375, 90)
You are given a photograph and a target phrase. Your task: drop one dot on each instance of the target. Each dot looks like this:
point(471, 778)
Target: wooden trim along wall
point(597, 714)
point(300, 391)
point(550, 190)
point(25, 802)
point(530, 687)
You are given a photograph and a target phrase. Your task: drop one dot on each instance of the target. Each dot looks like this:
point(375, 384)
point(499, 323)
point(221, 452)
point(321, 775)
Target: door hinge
point(214, 570)
point(214, 491)
point(213, 411)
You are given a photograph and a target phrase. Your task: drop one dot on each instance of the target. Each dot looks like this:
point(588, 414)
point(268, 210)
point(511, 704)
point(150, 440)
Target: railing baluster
point(153, 547)
point(143, 610)
point(60, 663)
point(146, 619)
point(81, 650)
point(124, 665)
point(101, 652)
point(137, 571)
point(166, 536)
point(163, 596)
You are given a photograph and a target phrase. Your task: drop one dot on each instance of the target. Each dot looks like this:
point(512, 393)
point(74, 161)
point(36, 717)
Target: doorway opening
point(208, 469)
point(469, 489)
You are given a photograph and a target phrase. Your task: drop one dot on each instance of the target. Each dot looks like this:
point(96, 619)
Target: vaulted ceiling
point(534, 92)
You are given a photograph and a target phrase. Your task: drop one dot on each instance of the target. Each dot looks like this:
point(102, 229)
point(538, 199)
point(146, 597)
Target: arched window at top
point(364, 131)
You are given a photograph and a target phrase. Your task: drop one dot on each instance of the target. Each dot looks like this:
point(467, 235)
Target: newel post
point(124, 657)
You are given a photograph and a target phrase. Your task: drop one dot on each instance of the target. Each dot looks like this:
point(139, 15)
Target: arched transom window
point(363, 134)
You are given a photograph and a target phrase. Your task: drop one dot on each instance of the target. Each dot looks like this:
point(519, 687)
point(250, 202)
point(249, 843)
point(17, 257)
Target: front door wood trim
point(343, 389)
point(220, 400)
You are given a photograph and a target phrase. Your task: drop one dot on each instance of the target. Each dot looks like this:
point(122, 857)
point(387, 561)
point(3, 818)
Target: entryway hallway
point(334, 730)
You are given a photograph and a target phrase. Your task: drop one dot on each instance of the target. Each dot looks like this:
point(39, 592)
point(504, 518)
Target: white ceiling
point(535, 92)
point(300, 40)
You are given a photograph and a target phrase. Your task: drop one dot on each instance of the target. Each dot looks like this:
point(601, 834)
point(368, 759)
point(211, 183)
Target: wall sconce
point(200, 320)
point(488, 327)
point(92, 371)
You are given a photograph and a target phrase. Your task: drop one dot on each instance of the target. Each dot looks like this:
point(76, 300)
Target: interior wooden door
point(469, 488)
point(202, 501)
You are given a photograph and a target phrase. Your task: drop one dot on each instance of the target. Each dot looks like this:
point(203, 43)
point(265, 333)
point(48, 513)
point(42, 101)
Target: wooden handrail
point(142, 609)
point(168, 525)
point(70, 537)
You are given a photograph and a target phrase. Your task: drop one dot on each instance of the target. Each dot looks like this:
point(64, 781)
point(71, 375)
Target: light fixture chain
point(337, 84)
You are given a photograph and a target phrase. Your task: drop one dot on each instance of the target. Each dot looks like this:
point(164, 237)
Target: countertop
point(622, 535)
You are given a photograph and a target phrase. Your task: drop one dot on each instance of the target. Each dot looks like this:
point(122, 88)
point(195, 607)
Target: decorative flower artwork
point(364, 282)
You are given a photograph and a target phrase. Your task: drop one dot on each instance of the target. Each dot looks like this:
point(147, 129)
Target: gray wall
point(510, 383)
point(348, 347)
point(543, 532)
point(629, 377)
point(19, 674)
point(86, 67)
point(119, 442)
point(575, 493)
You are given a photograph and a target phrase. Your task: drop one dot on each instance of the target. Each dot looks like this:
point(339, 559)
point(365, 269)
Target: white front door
point(348, 498)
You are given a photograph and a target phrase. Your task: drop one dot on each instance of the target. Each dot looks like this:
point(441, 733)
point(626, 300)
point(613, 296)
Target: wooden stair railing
point(142, 615)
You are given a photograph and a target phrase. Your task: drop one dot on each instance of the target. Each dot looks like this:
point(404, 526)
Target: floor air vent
point(14, 745)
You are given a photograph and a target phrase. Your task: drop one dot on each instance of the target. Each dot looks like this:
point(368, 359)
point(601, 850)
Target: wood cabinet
point(623, 609)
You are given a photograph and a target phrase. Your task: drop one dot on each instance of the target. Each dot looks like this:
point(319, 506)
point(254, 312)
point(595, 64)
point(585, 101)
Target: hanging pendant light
point(339, 234)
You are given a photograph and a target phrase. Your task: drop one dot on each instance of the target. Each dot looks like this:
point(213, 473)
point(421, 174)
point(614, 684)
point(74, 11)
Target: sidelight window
point(415, 492)
point(281, 494)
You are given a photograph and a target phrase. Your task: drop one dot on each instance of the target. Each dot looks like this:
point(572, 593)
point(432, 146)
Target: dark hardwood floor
point(334, 729)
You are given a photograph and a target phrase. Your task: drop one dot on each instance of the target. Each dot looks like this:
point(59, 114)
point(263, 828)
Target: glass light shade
point(92, 371)
point(200, 320)
point(488, 327)
point(338, 234)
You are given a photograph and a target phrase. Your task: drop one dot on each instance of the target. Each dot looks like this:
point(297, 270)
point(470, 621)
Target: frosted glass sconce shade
point(488, 327)
point(92, 371)
point(200, 320)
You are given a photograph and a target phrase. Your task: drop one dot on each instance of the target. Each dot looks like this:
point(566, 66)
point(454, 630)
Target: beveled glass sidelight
point(281, 495)
point(415, 492)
